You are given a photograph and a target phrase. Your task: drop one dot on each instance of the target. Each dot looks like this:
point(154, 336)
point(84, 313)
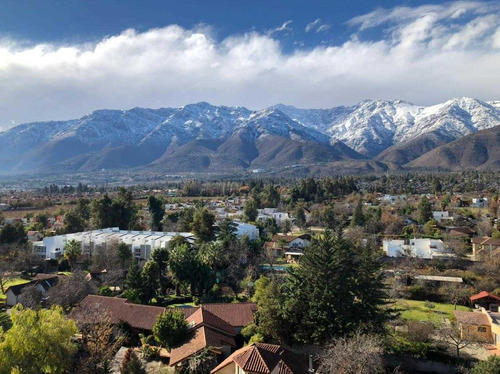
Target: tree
point(39, 341)
point(98, 343)
point(250, 211)
point(170, 328)
point(125, 254)
point(133, 282)
point(336, 287)
point(227, 231)
point(160, 256)
point(203, 362)
point(150, 280)
point(203, 224)
point(424, 210)
point(457, 294)
point(300, 217)
point(269, 314)
point(358, 354)
point(101, 212)
point(73, 222)
point(490, 366)
point(329, 219)
point(358, 217)
point(31, 297)
point(131, 364)
point(286, 227)
point(72, 250)
point(451, 334)
point(71, 290)
point(156, 208)
point(11, 234)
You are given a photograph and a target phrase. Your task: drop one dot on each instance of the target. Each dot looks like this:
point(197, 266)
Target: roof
point(200, 338)
point(471, 318)
point(484, 295)
point(263, 358)
point(45, 280)
point(207, 330)
point(237, 314)
point(138, 316)
point(438, 278)
point(485, 240)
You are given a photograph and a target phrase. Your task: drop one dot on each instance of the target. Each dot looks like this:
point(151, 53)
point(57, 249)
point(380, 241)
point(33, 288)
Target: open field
point(424, 311)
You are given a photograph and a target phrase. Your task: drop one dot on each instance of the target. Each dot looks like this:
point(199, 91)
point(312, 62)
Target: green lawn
point(418, 311)
point(11, 282)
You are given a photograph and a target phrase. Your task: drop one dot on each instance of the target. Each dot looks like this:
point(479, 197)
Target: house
point(261, 358)
point(205, 330)
point(293, 246)
point(484, 300)
point(393, 199)
point(484, 247)
point(34, 236)
point(474, 325)
point(421, 248)
point(479, 202)
point(440, 216)
point(460, 232)
point(482, 325)
point(42, 282)
point(143, 317)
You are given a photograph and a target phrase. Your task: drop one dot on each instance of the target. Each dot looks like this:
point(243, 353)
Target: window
point(481, 329)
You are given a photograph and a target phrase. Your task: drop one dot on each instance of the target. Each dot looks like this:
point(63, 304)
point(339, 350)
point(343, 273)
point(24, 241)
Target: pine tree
point(336, 288)
point(424, 210)
point(358, 218)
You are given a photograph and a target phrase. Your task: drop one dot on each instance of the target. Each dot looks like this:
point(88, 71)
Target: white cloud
point(317, 26)
point(285, 27)
point(425, 57)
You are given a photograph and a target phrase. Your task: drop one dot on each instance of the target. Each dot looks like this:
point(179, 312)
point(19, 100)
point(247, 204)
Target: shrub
point(105, 291)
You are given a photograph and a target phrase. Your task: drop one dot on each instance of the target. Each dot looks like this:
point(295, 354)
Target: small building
point(421, 248)
point(42, 282)
point(34, 236)
point(484, 300)
point(247, 229)
point(440, 216)
point(474, 326)
point(262, 358)
point(485, 247)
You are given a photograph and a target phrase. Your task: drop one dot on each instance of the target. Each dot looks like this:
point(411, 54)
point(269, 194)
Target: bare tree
point(418, 331)
point(31, 297)
point(359, 354)
point(452, 335)
point(99, 343)
point(69, 292)
point(456, 293)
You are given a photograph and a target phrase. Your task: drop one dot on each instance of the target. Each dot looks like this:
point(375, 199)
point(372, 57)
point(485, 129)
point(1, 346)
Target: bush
point(105, 291)
point(490, 366)
point(249, 330)
point(257, 338)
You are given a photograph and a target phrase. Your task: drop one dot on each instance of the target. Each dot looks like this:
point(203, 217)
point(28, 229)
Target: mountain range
point(374, 135)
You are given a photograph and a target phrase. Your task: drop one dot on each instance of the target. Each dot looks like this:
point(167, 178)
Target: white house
point(440, 216)
point(393, 199)
point(479, 202)
point(140, 242)
point(421, 248)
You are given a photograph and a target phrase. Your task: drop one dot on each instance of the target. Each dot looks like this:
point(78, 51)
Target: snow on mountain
point(374, 125)
point(115, 136)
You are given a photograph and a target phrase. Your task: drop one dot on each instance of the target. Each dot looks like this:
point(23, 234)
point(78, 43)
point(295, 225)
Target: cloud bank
point(427, 54)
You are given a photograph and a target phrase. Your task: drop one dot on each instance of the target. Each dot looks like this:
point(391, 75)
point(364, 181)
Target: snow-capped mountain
point(374, 125)
point(220, 137)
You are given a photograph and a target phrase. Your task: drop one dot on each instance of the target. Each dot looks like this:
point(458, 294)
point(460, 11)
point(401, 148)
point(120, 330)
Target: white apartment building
point(266, 213)
point(141, 243)
point(421, 248)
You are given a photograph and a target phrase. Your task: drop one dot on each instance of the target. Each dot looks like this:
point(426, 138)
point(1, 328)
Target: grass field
point(423, 311)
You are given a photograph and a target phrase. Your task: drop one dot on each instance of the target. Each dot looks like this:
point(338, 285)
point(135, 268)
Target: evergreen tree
point(156, 208)
point(150, 277)
point(329, 217)
point(250, 211)
point(131, 364)
point(227, 231)
point(358, 218)
point(170, 328)
point(160, 256)
point(424, 210)
point(133, 281)
point(203, 224)
point(336, 288)
point(300, 217)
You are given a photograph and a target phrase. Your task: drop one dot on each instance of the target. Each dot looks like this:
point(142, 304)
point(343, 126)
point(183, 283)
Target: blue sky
point(62, 59)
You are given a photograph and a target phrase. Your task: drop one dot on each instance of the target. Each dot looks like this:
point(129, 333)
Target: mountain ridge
point(225, 138)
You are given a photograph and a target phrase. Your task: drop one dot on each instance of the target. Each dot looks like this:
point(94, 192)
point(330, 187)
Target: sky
point(61, 59)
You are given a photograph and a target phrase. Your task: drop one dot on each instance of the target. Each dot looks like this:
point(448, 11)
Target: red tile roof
point(237, 314)
point(483, 295)
point(263, 358)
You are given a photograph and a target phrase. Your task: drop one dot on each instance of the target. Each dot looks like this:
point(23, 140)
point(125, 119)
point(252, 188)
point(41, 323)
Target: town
point(368, 274)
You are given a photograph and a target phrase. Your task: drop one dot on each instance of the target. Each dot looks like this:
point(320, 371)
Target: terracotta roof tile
point(482, 295)
point(237, 314)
